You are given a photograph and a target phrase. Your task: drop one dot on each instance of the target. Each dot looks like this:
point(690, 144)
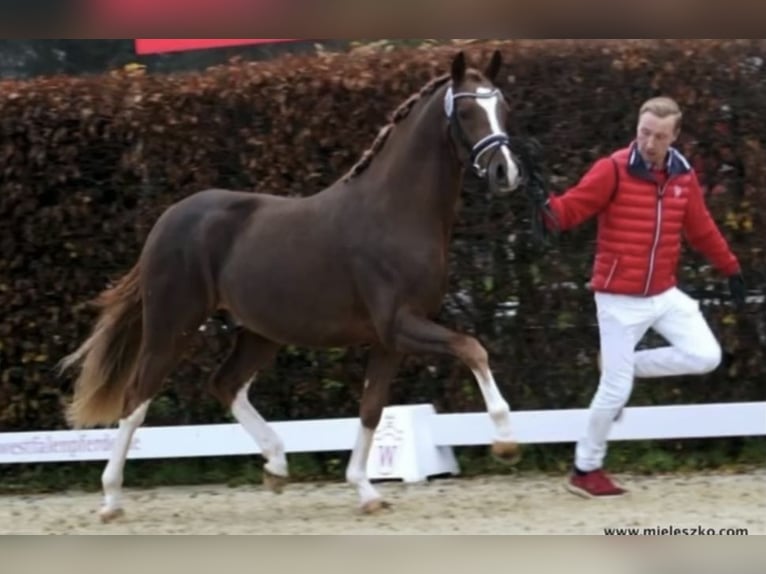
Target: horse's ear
point(494, 66)
point(458, 67)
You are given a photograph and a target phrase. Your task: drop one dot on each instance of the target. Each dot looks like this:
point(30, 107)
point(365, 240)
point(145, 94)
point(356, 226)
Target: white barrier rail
point(637, 423)
point(411, 442)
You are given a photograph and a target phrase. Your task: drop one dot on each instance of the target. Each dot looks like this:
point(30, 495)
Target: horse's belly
point(310, 330)
point(296, 311)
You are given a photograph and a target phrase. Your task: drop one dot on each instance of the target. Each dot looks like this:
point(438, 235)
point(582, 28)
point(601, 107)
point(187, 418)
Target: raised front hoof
point(506, 452)
point(274, 482)
point(374, 506)
point(110, 514)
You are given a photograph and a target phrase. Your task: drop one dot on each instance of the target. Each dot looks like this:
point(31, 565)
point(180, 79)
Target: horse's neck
point(416, 169)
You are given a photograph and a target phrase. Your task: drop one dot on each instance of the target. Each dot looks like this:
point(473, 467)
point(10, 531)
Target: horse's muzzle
point(504, 173)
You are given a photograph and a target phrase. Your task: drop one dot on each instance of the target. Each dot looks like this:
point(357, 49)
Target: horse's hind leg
point(171, 317)
point(111, 478)
point(154, 364)
point(230, 385)
point(157, 357)
point(381, 369)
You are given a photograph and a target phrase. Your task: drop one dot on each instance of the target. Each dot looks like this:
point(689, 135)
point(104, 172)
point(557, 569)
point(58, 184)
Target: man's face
point(654, 136)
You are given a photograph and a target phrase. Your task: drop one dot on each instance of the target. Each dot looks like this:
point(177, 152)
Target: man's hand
point(737, 290)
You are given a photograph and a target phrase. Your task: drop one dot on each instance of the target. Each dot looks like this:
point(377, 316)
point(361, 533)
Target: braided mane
point(398, 115)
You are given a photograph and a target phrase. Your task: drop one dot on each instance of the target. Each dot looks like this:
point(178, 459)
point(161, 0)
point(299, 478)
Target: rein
point(529, 152)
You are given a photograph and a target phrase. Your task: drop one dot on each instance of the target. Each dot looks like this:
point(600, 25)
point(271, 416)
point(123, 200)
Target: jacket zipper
point(657, 228)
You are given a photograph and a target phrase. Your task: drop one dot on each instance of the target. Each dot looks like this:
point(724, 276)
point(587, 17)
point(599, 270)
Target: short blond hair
point(662, 107)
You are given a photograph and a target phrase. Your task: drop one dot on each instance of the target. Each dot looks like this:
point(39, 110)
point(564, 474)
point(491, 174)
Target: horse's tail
point(108, 356)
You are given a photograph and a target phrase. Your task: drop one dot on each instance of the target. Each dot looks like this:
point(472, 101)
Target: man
point(646, 196)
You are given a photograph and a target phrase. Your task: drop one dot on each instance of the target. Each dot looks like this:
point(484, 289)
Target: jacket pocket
point(610, 262)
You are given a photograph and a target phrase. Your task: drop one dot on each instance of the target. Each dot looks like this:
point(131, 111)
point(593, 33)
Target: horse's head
point(477, 114)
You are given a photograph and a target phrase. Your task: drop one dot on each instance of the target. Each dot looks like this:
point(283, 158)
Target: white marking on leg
point(111, 478)
point(489, 105)
point(356, 472)
point(497, 406)
point(269, 442)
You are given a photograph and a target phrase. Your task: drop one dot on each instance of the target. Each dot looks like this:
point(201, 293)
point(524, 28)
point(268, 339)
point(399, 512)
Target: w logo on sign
point(387, 446)
point(387, 457)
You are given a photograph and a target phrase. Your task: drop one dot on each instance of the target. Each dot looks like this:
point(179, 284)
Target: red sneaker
point(594, 484)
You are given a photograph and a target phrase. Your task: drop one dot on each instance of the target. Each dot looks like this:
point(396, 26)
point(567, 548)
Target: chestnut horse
point(362, 262)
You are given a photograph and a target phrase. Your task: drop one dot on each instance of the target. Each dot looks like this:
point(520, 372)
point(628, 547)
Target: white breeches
point(623, 321)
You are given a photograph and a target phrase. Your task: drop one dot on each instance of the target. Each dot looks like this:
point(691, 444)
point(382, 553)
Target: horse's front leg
point(415, 334)
point(381, 368)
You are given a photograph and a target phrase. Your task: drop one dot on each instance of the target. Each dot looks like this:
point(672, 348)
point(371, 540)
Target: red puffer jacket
point(641, 221)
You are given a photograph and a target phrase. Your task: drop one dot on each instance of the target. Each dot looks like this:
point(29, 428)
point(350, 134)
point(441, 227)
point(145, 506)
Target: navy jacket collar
point(676, 164)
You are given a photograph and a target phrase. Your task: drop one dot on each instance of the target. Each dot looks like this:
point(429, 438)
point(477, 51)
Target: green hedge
point(88, 164)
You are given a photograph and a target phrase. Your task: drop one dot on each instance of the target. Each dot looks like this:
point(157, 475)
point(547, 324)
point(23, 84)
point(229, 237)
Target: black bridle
point(491, 143)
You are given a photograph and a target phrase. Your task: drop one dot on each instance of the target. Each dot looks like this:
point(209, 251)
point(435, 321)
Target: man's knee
point(706, 358)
